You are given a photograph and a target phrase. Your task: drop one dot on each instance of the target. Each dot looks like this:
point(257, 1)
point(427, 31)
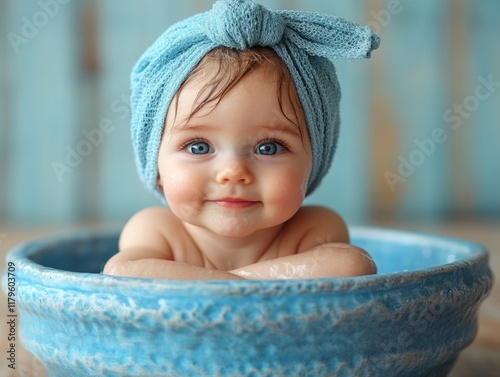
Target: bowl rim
point(475, 254)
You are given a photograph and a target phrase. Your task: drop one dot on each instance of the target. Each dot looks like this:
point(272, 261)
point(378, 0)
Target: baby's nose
point(234, 171)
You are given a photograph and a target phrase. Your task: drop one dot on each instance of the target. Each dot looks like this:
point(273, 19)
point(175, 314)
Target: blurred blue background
point(420, 135)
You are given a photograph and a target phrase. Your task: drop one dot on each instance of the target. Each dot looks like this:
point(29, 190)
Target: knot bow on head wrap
point(244, 24)
point(305, 41)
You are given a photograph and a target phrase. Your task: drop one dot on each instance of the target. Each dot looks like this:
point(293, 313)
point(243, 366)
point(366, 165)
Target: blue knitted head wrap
point(305, 41)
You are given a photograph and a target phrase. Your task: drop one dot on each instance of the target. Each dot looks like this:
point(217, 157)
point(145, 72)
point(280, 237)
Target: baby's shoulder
point(312, 225)
point(149, 224)
point(308, 217)
point(157, 228)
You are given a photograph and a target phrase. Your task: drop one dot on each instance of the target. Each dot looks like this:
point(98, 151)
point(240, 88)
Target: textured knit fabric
point(305, 41)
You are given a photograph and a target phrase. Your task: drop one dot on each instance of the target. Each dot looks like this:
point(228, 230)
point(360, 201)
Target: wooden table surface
point(481, 359)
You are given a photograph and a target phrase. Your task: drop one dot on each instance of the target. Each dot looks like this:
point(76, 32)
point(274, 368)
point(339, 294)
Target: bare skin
point(235, 179)
point(293, 251)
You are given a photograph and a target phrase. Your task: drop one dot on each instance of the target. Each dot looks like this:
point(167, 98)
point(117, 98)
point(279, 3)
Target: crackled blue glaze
point(412, 319)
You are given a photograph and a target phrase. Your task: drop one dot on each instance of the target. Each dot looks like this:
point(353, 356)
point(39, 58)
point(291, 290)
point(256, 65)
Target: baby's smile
point(234, 203)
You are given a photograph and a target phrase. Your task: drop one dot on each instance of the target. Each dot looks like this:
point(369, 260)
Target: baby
point(234, 121)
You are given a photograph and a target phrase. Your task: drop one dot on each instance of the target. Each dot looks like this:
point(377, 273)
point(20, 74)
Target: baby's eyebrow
point(280, 128)
point(193, 128)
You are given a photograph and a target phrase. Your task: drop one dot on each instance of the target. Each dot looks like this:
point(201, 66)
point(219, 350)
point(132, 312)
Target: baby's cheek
point(298, 184)
point(290, 188)
point(179, 188)
point(302, 185)
point(180, 196)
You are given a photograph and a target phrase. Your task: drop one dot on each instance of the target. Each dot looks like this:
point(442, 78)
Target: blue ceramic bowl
point(412, 319)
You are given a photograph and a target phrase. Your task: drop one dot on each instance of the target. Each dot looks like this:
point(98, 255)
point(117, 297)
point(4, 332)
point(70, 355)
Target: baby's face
point(239, 166)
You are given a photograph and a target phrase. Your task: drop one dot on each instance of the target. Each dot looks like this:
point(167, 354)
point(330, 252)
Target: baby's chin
point(234, 227)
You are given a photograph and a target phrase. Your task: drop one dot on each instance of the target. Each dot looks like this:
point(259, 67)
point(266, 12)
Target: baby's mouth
point(235, 203)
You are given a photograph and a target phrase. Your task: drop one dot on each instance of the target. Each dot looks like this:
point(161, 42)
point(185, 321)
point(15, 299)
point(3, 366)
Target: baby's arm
point(126, 264)
point(328, 260)
point(146, 252)
point(322, 251)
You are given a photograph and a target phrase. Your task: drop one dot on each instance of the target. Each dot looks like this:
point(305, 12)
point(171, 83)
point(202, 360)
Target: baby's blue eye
point(199, 147)
point(269, 148)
